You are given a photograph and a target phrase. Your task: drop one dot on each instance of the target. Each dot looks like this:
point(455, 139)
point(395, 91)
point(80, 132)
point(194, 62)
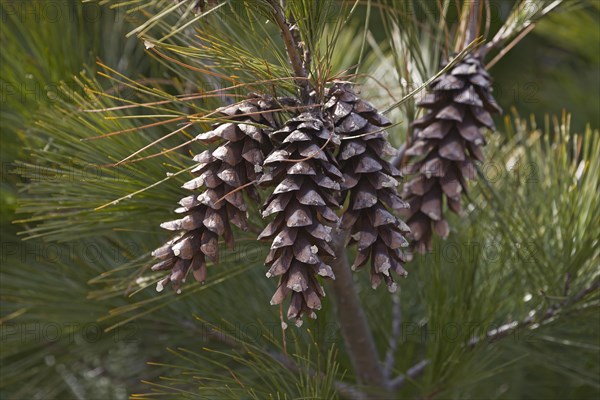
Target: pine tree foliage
point(506, 305)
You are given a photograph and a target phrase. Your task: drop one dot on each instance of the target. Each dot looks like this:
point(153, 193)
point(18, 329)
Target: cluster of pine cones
point(326, 171)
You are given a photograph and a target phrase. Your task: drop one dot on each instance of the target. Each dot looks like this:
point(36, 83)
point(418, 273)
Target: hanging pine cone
point(220, 172)
point(305, 175)
point(446, 141)
point(370, 182)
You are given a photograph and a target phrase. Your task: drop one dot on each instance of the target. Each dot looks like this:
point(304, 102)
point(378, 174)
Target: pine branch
point(519, 23)
point(469, 28)
point(552, 311)
point(474, 23)
point(342, 388)
point(395, 335)
point(353, 321)
point(398, 159)
point(292, 49)
point(507, 48)
point(413, 372)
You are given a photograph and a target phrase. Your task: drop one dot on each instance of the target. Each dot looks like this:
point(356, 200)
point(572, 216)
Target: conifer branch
point(518, 24)
point(398, 159)
point(469, 25)
point(473, 27)
point(395, 335)
point(413, 372)
point(551, 312)
point(352, 319)
point(344, 389)
point(507, 48)
point(292, 50)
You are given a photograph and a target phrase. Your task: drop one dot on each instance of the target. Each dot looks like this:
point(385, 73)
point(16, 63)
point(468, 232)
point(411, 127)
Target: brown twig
point(353, 322)
point(342, 388)
point(292, 50)
point(412, 373)
point(506, 49)
point(398, 159)
point(473, 24)
point(530, 320)
point(390, 356)
point(469, 25)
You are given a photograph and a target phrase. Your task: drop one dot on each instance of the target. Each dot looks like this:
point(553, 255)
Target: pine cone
point(446, 142)
point(370, 182)
point(233, 164)
point(305, 173)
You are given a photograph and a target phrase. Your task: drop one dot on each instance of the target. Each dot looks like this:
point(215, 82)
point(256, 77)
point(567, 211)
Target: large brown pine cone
point(305, 175)
point(446, 142)
point(236, 162)
point(370, 182)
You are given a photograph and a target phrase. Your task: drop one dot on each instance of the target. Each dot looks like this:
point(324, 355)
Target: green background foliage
point(80, 317)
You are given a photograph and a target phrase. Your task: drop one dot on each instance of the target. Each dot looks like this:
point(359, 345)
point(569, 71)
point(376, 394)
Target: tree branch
point(390, 356)
point(413, 372)
point(506, 49)
point(469, 25)
point(473, 23)
point(552, 311)
point(292, 50)
point(583, 293)
point(398, 159)
point(353, 322)
point(342, 388)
